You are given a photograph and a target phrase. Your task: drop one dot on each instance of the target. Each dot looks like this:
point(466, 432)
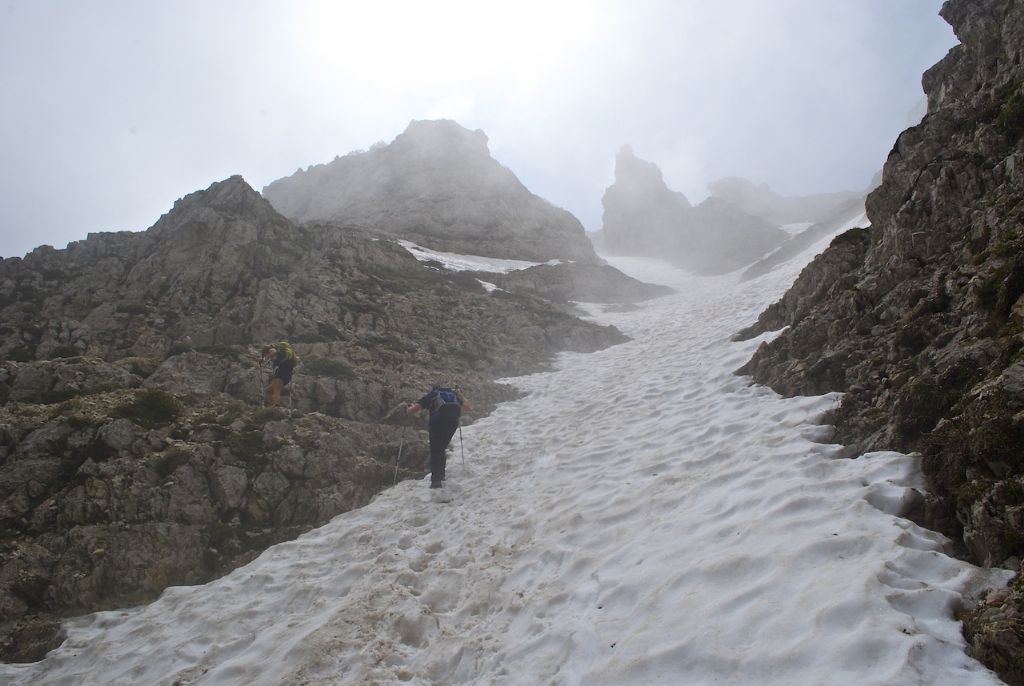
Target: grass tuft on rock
point(1011, 116)
point(151, 408)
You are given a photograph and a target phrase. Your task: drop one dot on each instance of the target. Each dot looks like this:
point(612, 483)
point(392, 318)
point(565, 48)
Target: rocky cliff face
point(134, 453)
point(921, 319)
point(437, 185)
point(642, 216)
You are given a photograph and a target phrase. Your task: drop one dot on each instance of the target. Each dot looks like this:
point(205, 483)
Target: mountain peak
point(643, 216)
point(442, 136)
point(231, 198)
point(231, 195)
point(635, 173)
point(437, 185)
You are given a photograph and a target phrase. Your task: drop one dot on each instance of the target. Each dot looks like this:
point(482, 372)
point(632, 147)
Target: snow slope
point(459, 263)
point(796, 227)
point(643, 516)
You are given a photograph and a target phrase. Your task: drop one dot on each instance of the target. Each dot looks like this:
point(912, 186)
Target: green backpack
point(285, 352)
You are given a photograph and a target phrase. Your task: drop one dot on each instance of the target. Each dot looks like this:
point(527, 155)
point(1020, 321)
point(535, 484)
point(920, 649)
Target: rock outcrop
point(134, 453)
point(437, 185)
point(921, 319)
point(847, 215)
point(573, 281)
point(642, 216)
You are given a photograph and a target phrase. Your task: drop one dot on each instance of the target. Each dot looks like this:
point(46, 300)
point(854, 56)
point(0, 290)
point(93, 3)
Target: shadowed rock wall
point(920, 320)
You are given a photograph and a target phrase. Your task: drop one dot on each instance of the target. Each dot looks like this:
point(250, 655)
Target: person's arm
point(421, 404)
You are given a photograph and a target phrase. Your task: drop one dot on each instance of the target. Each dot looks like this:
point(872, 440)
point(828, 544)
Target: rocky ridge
point(576, 282)
point(844, 214)
point(920, 319)
point(437, 185)
point(134, 453)
point(642, 216)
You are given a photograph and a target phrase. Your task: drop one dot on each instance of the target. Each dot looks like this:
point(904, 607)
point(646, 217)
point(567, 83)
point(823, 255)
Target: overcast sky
point(112, 109)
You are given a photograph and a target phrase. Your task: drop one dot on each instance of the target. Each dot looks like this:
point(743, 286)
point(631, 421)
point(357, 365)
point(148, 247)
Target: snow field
point(459, 263)
point(642, 516)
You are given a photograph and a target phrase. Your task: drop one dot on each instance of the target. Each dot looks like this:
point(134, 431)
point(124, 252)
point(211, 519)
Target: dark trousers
point(441, 432)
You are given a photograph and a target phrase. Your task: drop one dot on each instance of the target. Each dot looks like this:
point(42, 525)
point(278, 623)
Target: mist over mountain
point(437, 185)
point(643, 216)
point(846, 215)
point(761, 201)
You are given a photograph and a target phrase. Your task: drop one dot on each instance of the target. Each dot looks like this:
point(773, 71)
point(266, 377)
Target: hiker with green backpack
point(445, 406)
point(282, 360)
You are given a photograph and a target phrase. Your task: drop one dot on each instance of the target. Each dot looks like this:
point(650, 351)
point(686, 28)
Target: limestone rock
point(824, 275)
point(54, 381)
point(842, 215)
point(993, 632)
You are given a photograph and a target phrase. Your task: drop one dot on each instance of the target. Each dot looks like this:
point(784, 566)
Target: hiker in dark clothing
point(282, 359)
point(446, 406)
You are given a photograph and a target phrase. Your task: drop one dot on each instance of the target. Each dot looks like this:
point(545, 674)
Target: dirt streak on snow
point(643, 516)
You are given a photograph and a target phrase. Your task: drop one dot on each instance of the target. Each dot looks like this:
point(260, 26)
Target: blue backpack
point(445, 402)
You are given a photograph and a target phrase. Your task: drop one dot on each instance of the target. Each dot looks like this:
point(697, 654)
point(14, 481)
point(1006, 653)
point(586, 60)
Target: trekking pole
point(291, 387)
point(462, 446)
point(397, 459)
point(260, 389)
point(264, 381)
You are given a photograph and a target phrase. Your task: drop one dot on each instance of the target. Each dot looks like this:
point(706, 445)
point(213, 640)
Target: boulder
point(53, 381)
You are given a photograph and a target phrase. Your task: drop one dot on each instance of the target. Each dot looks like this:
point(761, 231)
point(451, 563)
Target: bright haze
point(114, 109)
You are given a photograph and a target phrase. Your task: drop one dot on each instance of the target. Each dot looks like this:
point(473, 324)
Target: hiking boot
point(440, 494)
